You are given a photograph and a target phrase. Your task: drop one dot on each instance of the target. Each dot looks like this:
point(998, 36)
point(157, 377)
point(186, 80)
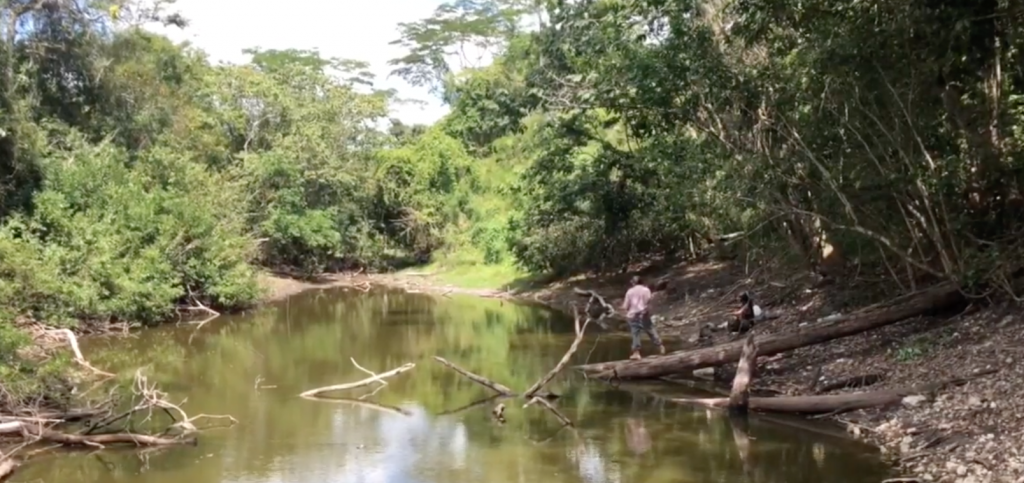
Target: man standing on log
point(638, 313)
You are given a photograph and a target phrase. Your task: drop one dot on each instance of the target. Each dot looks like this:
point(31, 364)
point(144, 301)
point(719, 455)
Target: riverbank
point(963, 434)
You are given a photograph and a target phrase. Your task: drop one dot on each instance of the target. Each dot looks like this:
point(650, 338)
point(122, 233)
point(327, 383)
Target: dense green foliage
point(880, 134)
point(136, 177)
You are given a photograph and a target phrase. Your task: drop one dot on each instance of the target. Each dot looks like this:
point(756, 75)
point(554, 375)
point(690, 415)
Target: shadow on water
point(253, 366)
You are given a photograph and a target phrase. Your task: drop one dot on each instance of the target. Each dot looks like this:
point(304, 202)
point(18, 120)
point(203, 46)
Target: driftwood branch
point(79, 358)
point(594, 300)
point(551, 407)
point(740, 394)
point(580, 331)
point(360, 383)
point(147, 401)
point(101, 440)
point(483, 381)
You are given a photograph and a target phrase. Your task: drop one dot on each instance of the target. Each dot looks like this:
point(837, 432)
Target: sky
point(352, 29)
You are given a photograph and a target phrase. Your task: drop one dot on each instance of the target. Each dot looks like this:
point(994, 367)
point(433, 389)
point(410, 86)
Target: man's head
point(636, 280)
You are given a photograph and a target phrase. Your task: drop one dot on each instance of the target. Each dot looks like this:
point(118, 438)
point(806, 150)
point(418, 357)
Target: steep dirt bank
point(964, 434)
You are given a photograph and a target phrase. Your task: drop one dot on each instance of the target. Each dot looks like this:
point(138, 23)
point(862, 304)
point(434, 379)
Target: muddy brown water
point(253, 366)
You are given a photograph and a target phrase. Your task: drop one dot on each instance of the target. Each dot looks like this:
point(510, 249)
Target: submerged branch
point(474, 404)
point(580, 331)
point(483, 381)
point(361, 403)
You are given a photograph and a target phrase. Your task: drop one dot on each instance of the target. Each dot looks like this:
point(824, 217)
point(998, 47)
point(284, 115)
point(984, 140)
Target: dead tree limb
point(551, 407)
point(360, 383)
point(597, 308)
point(580, 331)
point(483, 381)
point(79, 358)
point(942, 296)
point(101, 440)
point(740, 394)
point(153, 398)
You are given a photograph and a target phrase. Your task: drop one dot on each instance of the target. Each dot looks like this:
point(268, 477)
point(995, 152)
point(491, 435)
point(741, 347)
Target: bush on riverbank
point(110, 240)
point(136, 177)
point(645, 129)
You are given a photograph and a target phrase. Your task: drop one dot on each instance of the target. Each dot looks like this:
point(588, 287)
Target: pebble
point(914, 401)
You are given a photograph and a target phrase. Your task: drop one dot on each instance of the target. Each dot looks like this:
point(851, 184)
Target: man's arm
point(625, 303)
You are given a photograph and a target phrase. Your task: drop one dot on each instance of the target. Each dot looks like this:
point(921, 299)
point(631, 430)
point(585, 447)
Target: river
point(252, 366)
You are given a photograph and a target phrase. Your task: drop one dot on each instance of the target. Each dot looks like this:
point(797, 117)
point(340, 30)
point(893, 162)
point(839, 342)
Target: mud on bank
point(966, 434)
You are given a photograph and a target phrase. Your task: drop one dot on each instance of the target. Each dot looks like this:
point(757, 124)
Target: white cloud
point(353, 29)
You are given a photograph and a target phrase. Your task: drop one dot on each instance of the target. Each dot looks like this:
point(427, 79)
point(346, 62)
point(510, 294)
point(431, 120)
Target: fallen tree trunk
point(834, 404)
point(942, 296)
point(481, 380)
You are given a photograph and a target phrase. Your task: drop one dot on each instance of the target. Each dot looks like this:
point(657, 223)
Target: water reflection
point(430, 436)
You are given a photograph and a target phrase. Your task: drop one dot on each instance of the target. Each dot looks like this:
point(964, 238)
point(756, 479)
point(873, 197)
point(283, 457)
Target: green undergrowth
point(28, 376)
point(476, 254)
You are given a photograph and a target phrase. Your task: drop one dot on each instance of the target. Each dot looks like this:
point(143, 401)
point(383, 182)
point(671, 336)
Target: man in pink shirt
point(638, 314)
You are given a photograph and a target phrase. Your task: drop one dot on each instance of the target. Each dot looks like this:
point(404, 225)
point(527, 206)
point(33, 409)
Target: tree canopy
point(136, 176)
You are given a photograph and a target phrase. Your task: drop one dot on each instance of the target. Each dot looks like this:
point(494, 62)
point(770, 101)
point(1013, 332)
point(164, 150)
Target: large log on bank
point(940, 297)
point(835, 403)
